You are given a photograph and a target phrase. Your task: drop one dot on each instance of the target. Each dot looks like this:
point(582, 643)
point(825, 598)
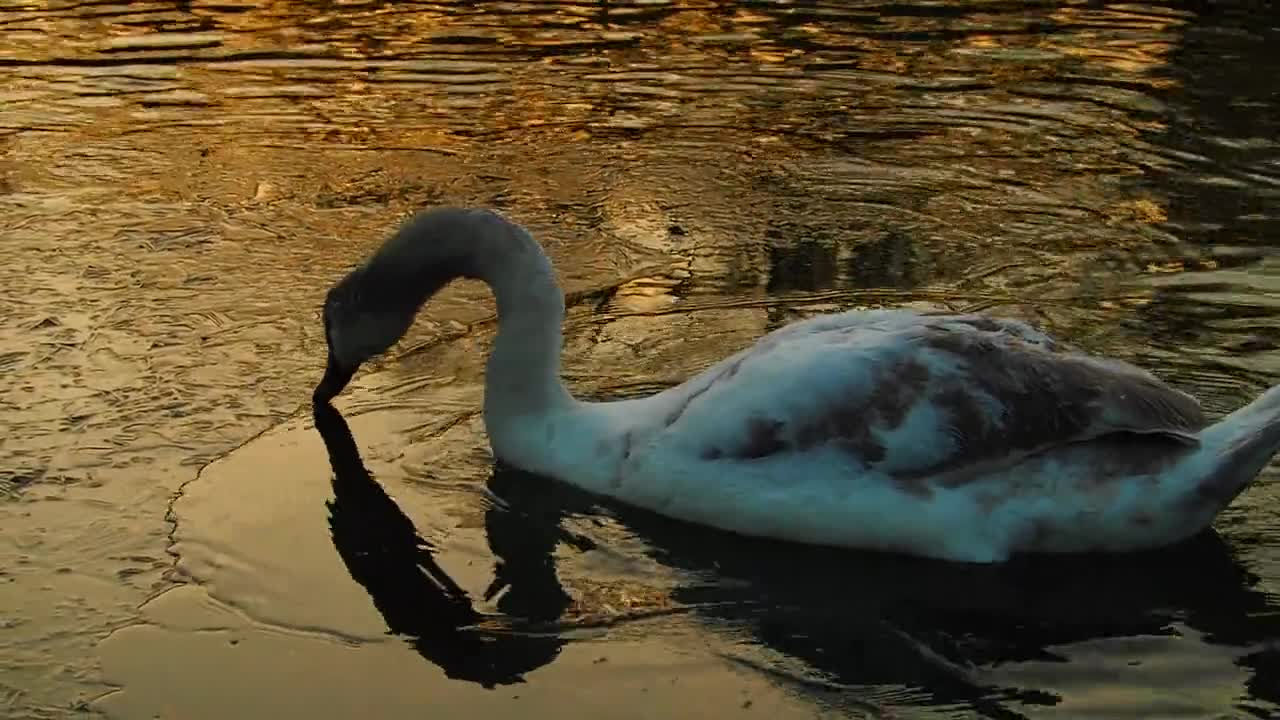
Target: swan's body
point(962, 437)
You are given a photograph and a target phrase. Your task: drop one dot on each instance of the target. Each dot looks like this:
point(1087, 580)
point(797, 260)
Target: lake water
point(181, 181)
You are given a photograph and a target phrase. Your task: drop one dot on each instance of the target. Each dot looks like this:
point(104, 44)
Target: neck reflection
point(385, 554)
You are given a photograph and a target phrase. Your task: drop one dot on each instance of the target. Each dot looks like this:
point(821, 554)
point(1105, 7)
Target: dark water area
point(181, 181)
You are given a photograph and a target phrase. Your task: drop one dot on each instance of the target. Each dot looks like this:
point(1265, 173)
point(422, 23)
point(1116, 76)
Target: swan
point(959, 437)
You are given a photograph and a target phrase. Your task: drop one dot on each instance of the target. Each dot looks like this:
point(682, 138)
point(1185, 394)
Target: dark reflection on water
point(384, 552)
point(853, 620)
point(1223, 192)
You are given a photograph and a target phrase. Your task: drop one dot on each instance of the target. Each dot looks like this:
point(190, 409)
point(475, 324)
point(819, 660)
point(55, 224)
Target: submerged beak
point(335, 379)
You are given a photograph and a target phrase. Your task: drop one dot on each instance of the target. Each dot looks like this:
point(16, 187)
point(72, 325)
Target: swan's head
point(371, 308)
point(357, 327)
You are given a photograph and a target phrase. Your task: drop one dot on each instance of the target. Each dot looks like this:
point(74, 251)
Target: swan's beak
point(335, 379)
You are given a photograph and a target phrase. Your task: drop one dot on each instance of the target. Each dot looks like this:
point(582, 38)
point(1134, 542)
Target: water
point(180, 182)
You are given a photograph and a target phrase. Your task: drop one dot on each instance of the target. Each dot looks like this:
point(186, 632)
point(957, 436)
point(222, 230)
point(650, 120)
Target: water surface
point(179, 183)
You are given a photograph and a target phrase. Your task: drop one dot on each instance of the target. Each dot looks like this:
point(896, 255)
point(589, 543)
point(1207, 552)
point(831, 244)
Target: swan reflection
point(850, 628)
point(384, 552)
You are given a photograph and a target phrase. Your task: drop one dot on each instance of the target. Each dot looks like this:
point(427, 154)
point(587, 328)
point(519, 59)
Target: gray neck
point(522, 379)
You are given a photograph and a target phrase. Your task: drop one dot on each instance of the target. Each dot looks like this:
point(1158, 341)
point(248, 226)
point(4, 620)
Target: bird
point(962, 437)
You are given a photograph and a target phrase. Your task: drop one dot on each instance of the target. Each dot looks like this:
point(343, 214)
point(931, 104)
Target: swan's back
point(914, 396)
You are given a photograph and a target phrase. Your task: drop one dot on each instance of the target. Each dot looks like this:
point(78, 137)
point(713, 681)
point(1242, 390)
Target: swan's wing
point(918, 396)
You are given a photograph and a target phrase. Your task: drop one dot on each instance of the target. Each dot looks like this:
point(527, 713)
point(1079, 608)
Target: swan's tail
point(1236, 449)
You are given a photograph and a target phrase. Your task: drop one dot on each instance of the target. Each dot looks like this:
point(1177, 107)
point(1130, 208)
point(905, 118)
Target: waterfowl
point(961, 437)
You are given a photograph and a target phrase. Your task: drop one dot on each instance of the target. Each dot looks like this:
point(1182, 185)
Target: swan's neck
point(522, 378)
